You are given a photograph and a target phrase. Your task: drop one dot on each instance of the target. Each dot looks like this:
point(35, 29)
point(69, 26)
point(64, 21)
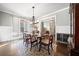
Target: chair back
point(24, 35)
point(51, 39)
point(29, 37)
point(46, 36)
point(33, 37)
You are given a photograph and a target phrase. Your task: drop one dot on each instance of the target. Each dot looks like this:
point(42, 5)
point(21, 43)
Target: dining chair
point(33, 41)
point(26, 38)
point(46, 40)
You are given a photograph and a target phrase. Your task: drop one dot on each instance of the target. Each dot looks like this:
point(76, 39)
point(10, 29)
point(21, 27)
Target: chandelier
point(34, 23)
point(33, 18)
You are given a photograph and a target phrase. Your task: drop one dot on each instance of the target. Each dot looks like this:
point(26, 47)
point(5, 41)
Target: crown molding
point(50, 14)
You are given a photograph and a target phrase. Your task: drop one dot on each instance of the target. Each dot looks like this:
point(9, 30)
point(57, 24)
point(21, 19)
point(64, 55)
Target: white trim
point(49, 17)
point(53, 13)
point(15, 15)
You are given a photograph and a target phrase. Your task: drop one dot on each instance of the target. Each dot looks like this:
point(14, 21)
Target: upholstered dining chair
point(46, 40)
point(33, 41)
point(26, 38)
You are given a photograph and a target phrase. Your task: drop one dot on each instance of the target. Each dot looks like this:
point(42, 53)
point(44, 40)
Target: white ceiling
point(25, 9)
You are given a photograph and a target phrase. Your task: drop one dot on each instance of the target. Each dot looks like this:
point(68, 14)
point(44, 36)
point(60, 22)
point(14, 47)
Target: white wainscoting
point(7, 34)
point(63, 29)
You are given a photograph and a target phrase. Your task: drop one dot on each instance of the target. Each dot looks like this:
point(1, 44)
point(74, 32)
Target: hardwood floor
point(18, 48)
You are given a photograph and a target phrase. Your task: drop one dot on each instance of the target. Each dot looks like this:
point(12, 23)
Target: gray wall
point(5, 19)
point(63, 18)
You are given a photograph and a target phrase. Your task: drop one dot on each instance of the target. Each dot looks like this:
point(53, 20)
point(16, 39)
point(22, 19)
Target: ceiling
point(25, 9)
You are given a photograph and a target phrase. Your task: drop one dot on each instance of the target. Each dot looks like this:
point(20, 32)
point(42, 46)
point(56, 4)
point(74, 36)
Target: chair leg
point(48, 50)
point(51, 46)
point(31, 47)
point(39, 47)
point(27, 42)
